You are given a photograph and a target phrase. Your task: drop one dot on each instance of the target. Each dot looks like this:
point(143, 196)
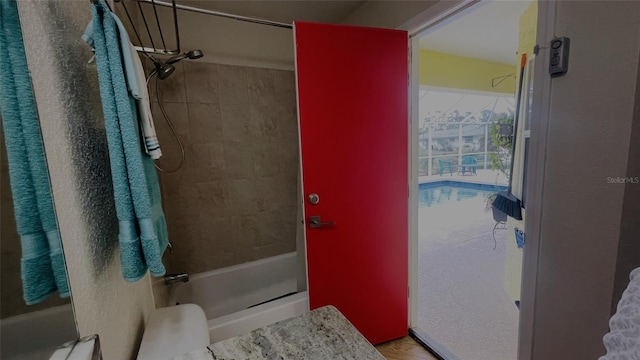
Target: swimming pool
point(440, 192)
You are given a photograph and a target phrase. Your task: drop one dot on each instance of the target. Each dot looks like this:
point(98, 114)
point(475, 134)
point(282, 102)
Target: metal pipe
point(142, 49)
point(144, 19)
point(155, 11)
point(221, 14)
point(175, 24)
point(135, 31)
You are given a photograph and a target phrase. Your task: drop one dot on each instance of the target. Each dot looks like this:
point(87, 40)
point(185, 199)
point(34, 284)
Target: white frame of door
point(540, 115)
point(440, 14)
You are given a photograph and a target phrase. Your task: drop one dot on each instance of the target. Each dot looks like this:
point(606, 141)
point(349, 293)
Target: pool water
point(440, 192)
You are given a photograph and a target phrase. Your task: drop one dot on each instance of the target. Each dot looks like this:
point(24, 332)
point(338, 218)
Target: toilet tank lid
point(173, 331)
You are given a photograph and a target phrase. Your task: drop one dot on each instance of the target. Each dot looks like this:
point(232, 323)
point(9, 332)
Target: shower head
point(192, 55)
point(163, 70)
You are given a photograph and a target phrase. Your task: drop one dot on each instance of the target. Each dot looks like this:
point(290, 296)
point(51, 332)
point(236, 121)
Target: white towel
point(151, 144)
point(623, 340)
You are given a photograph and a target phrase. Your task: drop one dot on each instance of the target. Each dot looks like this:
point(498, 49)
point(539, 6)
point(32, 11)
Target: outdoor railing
point(452, 141)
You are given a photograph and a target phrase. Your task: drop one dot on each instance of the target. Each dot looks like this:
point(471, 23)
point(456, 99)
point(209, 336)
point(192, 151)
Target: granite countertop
point(323, 333)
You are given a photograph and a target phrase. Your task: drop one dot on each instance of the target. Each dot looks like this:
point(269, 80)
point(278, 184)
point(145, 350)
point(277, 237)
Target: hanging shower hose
point(173, 130)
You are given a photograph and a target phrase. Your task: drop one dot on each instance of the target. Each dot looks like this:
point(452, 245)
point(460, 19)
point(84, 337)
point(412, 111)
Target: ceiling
point(488, 32)
point(283, 11)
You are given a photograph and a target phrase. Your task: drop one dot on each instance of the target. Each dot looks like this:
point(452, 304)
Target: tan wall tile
point(204, 123)
point(266, 159)
point(245, 197)
point(285, 87)
point(213, 200)
point(204, 162)
point(217, 234)
point(261, 86)
point(235, 199)
point(246, 231)
point(238, 160)
point(265, 119)
point(172, 89)
point(233, 85)
point(237, 125)
point(201, 81)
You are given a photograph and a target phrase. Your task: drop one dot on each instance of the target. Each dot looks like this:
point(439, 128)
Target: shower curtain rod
point(220, 14)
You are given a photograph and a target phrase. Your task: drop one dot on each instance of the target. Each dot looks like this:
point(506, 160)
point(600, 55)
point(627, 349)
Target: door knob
point(314, 199)
point(316, 222)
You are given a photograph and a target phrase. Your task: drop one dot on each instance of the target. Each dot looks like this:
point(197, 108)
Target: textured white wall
point(66, 92)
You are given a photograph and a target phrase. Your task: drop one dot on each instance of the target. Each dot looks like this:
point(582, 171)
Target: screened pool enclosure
point(456, 123)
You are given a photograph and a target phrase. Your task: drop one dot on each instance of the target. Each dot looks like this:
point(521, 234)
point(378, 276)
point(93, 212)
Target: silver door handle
point(316, 222)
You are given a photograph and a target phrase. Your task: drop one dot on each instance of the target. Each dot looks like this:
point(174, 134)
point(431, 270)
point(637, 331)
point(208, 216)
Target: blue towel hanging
point(143, 235)
point(42, 262)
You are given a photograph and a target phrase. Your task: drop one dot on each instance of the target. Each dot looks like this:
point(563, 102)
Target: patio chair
point(445, 165)
point(469, 164)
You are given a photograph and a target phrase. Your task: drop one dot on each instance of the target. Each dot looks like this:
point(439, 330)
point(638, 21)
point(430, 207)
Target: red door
point(353, 114)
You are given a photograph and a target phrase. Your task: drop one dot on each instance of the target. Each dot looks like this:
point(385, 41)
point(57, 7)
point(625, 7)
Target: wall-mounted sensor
point(559, 56)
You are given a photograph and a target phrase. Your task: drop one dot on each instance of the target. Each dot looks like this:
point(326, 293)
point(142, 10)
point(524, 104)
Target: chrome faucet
point(175, 278)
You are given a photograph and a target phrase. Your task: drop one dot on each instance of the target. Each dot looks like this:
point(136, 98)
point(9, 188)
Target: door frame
point(540, 115)
point(442, 13)
point(437, 15)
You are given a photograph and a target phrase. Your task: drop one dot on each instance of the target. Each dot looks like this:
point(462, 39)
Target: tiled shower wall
point(234, 199)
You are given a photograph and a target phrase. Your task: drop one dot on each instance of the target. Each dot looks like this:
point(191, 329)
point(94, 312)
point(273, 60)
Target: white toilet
point(173, 331)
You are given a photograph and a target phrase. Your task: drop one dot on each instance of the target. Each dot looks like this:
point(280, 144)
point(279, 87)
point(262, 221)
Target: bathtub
point(241, 298)
point(36, 335)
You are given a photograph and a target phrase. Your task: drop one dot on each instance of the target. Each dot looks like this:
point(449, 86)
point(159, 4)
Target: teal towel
point(137, 84)
point(130, 70)
point(43, 265)
point(143, 235)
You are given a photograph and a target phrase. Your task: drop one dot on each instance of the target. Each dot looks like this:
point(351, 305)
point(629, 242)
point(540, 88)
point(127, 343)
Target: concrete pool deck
point(462, 301)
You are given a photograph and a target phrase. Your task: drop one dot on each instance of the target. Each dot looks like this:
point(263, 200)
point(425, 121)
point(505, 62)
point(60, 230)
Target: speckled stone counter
point(320, 334)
